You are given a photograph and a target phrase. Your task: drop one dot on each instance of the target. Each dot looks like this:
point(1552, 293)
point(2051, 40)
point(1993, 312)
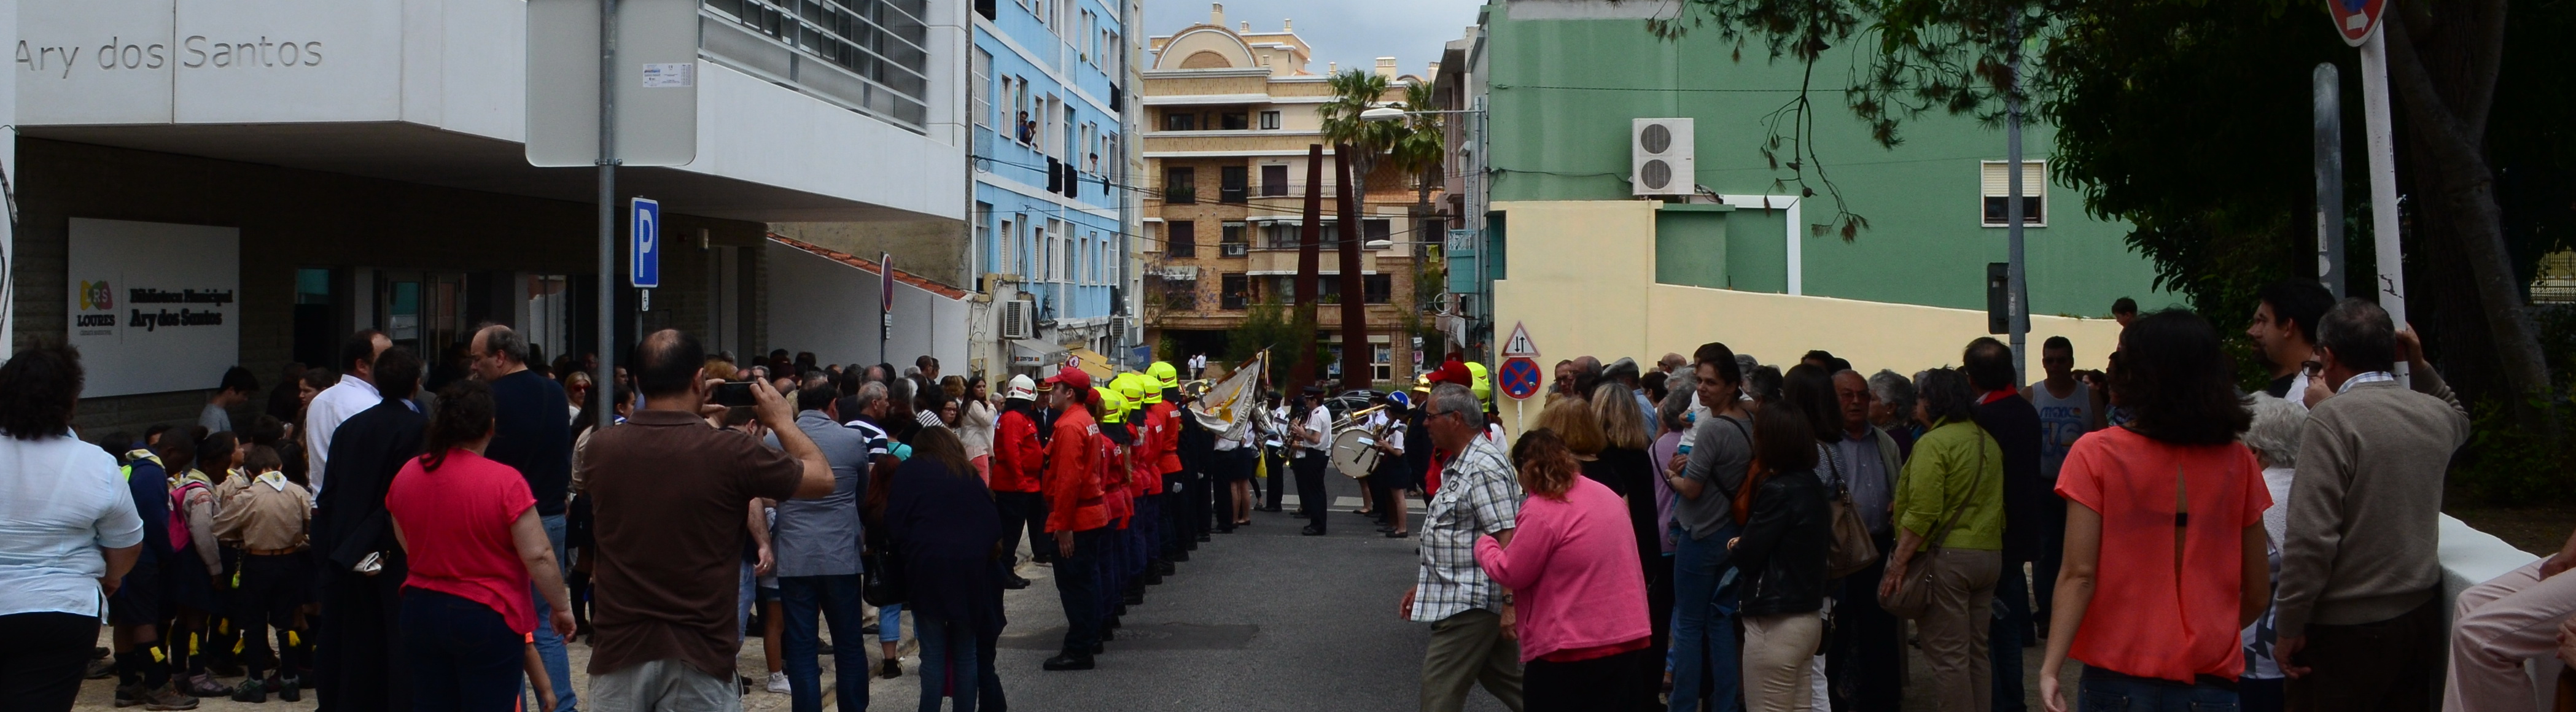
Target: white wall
point(830, 308)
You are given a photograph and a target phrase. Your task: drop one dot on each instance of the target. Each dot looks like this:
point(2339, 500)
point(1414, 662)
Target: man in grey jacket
point(817, 545)
point(2359, 610)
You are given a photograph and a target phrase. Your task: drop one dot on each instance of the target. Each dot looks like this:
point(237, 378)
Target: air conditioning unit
point(1660, 154)
point(1020, 319)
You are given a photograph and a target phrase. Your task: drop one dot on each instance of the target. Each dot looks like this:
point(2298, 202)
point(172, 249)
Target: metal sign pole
point(2383, 180)
point(2328, 87)
point(604, 383)
point(2018, 281)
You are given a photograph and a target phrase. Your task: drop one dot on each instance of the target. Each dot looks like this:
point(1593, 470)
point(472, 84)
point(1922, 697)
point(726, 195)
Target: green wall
point(1563, 93)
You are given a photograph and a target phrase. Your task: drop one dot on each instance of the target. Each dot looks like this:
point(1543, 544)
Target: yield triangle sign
point(2355, 19)
point(1520, 345)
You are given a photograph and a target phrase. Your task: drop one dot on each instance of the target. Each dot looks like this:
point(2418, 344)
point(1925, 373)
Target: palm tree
point(1421, 150)
point(1356, 91)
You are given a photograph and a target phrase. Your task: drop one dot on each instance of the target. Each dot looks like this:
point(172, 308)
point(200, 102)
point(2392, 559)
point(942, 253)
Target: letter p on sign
point(646, 232)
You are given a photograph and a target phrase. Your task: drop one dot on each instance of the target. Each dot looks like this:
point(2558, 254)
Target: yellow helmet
point(1113, 407)
point(1165, 376)
point(1132, 387)
point(1484, 387)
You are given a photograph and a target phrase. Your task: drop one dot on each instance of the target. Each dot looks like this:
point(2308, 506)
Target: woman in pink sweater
point(1571, 565)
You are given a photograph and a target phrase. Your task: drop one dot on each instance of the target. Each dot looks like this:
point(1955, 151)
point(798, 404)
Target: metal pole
point(2017, 301)
point(2328, 87)
point(604, 388)
point(2383, 180)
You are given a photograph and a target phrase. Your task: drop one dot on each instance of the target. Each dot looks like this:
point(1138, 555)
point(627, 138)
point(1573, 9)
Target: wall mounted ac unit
point(1661, 157)
point(1019, 319)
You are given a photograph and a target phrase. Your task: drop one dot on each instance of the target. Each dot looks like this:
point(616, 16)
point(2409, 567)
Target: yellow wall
point(1583, 282)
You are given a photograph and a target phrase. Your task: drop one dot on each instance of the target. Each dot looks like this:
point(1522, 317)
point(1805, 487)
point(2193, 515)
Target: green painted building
point(1565, 81)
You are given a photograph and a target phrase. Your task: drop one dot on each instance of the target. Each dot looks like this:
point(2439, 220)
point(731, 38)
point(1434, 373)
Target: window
point(1274, 180)
point(1270, 120)
point(1379, 229)
point(1230, 188)
point(1180, 294)
point(1024, 125)
point(1181, 239)
point(1281, 235)
point(1234, 292)
point(1376, 289)
point(983, 228)
point(1082, 47)
point(1233, 121)
point(1010, 248)
point(884, 42)
point(1382, 361)
point(1995, 189)
point(1180, 121)
point(1230, 241)
point(1099, 259)
point(982, 86)
point(1180, 185)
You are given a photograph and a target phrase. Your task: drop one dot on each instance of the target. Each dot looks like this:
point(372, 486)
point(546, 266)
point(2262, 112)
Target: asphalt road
point(1261, 619)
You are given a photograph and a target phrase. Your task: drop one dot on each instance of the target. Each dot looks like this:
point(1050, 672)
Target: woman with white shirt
point(975, 420)
point(68, 532)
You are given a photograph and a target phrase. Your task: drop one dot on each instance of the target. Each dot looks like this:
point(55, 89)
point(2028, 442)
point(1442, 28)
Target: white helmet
point(1021, 389)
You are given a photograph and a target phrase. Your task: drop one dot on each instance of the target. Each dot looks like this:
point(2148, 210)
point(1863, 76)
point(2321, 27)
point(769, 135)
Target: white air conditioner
point(1019, 319)
point(1660, 154)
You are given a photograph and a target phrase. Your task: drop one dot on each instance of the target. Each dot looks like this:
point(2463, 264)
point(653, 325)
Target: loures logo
point(96, 296)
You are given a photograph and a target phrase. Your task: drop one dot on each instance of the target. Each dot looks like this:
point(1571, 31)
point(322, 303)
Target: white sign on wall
point(155, 307)
point(208, 61)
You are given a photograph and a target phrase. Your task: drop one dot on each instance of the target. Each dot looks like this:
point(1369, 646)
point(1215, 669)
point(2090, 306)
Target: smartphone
point(736, 394)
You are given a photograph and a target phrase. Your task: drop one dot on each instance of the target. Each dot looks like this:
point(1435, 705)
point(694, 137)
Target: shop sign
point(154, 307)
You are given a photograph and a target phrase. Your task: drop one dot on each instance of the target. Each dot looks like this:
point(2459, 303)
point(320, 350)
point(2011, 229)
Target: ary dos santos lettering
point(195, 52)
point(153, 320)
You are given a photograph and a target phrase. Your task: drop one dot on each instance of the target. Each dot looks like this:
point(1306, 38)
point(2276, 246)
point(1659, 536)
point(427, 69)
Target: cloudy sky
point(1352, 32)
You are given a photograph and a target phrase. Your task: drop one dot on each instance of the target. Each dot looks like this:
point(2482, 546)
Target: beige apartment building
point(1229, 116)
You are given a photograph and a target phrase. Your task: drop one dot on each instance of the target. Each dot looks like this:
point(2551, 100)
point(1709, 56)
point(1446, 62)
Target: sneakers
point(156, 699)
point(99, 669)
point(288, 688)
point(1069, 660)
point(778, 682)
point(890, 669)
point(203, 685)
point(252, 690)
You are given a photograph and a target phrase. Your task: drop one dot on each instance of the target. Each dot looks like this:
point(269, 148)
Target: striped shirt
point(1479, 494)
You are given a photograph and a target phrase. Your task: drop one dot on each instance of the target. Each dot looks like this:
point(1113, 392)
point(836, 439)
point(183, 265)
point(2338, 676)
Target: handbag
point(885, 584)
point(1853, 550)
point(1913, 594)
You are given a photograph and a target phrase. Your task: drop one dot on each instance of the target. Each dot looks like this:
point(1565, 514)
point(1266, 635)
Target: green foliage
point(1356, 91)
point(2505, 462)
point(1169, 348)
point(1270, 325)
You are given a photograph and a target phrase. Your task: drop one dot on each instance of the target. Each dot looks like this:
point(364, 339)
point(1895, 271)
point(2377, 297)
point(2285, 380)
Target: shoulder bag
point(1853, 550)
point(1913, 595)
point(885, 584)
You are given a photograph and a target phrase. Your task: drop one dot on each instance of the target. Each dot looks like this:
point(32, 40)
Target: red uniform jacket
point(1170, 446)
point(1147, 463)
point(1019, 462)
point(1113, 478)
point(1073, 486)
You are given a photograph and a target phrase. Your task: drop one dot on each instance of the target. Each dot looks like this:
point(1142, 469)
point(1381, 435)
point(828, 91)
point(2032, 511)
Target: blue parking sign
point(646, 232)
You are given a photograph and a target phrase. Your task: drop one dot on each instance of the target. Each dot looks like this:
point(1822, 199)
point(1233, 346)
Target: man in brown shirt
point(668, 489)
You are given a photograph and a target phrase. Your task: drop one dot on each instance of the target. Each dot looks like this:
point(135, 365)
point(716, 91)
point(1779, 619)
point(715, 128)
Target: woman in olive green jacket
point(1956, 469)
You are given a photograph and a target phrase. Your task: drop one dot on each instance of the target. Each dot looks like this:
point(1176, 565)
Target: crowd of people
point(1712, 533)
point(1708, 532)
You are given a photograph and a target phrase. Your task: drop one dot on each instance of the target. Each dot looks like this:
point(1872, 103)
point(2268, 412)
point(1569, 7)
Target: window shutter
point(1055, 175)
point(1995, 183)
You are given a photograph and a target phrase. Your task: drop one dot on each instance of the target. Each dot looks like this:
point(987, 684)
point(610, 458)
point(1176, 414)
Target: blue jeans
point(550, 645)
point(2004, 637)
point(1704, 649)
point(947, 651)
point(836, 598)
point(2107, 691)
point(890, 624)
point(461, 655)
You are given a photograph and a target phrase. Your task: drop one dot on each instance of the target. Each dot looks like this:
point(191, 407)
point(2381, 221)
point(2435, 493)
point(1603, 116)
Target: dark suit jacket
point(2014, 423)
point(349, 520)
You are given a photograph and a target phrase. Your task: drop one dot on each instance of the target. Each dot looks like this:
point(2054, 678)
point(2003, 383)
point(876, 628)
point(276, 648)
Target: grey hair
point(500, 339)
point(868, 395)
point(1745, 363)
point(1895, 390)
point(1680, 388)
point(2275, 433)
point(1454, 398)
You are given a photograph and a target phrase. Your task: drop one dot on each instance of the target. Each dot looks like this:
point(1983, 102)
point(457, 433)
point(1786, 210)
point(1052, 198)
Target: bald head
point(668, 364)
point(1671, 363)
point(497, 351)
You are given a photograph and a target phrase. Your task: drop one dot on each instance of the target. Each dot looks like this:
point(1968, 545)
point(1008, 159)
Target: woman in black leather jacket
point(1782, 553)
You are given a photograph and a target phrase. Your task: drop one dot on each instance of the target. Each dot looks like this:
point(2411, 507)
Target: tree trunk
point(1355, 346)
point(2450, 134)
point(1309, 263)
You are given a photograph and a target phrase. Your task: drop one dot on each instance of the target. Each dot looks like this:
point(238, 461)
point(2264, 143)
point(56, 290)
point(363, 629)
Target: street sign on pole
point(2326, 89)
point(1520, 344)
point(1519, 377)
point(652, 82)
point(885, 302)
point(644, 233)
point(2355, 19)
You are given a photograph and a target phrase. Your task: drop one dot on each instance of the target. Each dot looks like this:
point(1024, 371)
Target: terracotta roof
point(871, 267)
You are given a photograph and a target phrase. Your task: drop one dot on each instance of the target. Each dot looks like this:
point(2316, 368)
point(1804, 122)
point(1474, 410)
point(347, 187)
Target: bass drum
point(1354, 454)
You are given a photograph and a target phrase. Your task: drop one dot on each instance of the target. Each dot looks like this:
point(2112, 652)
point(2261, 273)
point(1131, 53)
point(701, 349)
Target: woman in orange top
point(2178, 503)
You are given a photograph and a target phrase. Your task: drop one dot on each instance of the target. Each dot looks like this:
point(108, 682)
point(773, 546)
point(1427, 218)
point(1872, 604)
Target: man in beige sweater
point(2359, 609)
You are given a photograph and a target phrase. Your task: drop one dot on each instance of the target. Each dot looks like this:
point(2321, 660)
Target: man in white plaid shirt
point(1470, 615)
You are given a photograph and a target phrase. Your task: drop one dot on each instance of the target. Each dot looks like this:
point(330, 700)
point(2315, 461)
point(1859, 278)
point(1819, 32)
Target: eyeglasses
point(2312, 368)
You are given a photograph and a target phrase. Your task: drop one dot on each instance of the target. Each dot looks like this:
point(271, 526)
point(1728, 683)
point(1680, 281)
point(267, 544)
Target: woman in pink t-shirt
point(2175, 503)
point(469, 527)
point(1580, 595)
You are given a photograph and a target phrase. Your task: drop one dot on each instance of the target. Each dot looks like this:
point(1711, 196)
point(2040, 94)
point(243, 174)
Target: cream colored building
point(1229, 116)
